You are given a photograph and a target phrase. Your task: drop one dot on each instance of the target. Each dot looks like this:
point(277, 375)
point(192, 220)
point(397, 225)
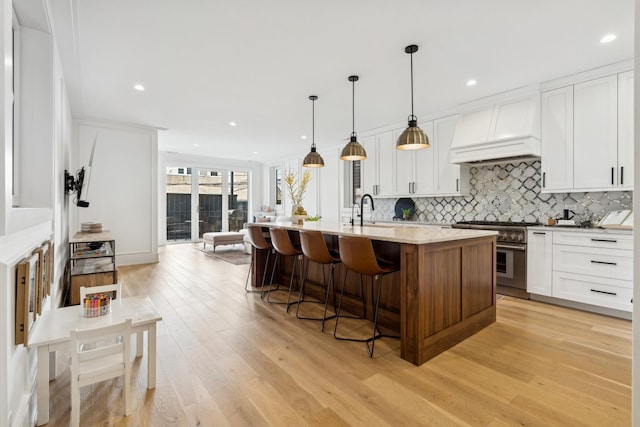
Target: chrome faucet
point(353, 220)
point(362, 204)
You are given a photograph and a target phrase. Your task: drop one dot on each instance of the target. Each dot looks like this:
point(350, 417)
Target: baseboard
point(581, 306)
point(135, 259)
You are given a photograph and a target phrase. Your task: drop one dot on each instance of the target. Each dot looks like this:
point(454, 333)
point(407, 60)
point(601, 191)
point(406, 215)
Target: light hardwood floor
point(228, 359)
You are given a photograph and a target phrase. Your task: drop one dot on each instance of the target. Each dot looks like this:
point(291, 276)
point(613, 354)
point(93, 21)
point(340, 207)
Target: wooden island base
point(443, 293)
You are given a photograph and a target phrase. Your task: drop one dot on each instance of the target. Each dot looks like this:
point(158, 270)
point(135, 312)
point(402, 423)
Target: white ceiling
point(205, 63)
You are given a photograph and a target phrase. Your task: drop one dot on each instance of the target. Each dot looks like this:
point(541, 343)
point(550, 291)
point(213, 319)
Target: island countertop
point(409, 234)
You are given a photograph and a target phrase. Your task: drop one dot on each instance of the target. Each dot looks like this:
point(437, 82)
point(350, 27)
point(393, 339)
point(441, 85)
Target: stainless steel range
point(511, 254)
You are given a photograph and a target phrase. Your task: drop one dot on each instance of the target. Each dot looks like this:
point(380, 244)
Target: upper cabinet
point(414, 168)
point(557, 139)
point(446, 175)
point(595, 133)
point(625, 130)
point(587, 135)
point(377, 169)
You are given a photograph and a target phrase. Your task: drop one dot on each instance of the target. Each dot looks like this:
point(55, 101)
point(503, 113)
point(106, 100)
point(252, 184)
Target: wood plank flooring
point(226, 358)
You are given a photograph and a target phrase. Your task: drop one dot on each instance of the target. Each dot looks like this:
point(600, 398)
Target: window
point(352, 182)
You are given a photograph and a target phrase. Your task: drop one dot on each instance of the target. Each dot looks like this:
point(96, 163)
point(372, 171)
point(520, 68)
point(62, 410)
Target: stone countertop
point(388, 232)
point(581, 230)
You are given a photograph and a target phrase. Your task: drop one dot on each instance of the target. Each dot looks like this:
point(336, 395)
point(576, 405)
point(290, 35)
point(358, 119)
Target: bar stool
point(315, 249)
point(283, 247)
point(259, 242)
point(357, 255)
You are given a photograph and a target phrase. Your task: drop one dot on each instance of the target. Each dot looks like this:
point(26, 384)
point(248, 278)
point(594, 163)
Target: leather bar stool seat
point(284, 247)
point(315, 249)
point(259, 242)
point(357, 255)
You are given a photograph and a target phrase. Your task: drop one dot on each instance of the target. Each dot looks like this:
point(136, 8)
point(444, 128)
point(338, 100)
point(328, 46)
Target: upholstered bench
point(220, 238)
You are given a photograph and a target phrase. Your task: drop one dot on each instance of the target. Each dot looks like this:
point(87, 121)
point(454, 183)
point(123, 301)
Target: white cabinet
point(625, 130)
point(377, 169)
point(446, 175)
point(539, 262)
point(595, 133)
point(414, 168)
point(593, 268)
point(557, 139)
point(587, 135)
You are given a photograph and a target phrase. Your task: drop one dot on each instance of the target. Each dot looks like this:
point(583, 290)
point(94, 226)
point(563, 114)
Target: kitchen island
point(443, 293)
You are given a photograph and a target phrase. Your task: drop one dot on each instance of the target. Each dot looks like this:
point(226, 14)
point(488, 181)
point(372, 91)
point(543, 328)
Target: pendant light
point(313, 159)
point(413, 138)
point(353, 150)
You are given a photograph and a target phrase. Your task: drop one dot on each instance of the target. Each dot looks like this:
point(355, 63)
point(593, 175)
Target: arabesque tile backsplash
point(508, 192)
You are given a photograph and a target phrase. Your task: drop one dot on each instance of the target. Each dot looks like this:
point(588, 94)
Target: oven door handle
point(514, 247)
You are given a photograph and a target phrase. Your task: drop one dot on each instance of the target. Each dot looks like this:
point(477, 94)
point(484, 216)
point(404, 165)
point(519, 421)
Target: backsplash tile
point(509, 192)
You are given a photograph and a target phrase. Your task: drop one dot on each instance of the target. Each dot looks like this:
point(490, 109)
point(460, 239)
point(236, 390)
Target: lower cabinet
point(539, 258)
point(588, 267)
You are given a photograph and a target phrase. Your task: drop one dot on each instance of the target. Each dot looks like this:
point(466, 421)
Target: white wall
point(122, 187)
point(635, 381)
point(44, 135)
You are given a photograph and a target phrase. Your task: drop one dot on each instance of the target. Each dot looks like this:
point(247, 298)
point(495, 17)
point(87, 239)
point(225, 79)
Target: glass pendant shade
point(353, 150)
point(413, 138)
point(313, 159)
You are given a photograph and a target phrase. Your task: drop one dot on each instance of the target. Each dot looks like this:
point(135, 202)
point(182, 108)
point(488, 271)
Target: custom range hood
point(498, 132)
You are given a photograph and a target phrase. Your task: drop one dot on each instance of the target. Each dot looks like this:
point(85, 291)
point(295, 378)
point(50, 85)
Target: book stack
point(91, 227)
point(96, 305)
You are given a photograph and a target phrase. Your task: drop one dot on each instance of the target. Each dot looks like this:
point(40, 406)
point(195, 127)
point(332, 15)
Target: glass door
point(238, 200)
point(178, 203)
point(209, 201)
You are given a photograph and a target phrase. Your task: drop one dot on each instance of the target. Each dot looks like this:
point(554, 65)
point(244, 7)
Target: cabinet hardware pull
point(544, 179)
point(457, 184)
point(604, 240)
point(604, 262)
point(621, 175)
point(613, 170)
point(604, 292)
point(539, 232)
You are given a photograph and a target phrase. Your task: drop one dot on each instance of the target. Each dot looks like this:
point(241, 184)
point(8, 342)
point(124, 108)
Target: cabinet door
point(423, 173)
point(405, 166)
point(386, 145)
point(557, 139)
point(595, 133)
point(625, 130)
point(369, 167)
point(446, 175)
point(539, 267)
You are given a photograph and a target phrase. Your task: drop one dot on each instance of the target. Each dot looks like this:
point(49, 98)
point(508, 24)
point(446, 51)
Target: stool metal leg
point(264, 274)
point(326, 295)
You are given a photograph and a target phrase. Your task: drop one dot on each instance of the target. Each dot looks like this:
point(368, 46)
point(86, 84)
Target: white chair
point(103, 289)
point(108, 357)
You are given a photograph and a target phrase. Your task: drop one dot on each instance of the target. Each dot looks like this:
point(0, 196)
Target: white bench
point(220, 238)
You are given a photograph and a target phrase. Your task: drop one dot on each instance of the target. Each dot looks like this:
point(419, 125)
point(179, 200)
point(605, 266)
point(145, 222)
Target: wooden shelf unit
point(92, 262)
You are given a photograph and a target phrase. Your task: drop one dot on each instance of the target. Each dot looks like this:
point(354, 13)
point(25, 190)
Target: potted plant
point(296, 192)
point(406, 213)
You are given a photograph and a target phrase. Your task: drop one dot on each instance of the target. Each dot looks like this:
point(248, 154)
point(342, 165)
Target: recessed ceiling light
point(139, 87)
point(232, 123)
point(608, 38)
point(471, 82)
point(255, 152)
point(303, 137)
point(196, 145)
